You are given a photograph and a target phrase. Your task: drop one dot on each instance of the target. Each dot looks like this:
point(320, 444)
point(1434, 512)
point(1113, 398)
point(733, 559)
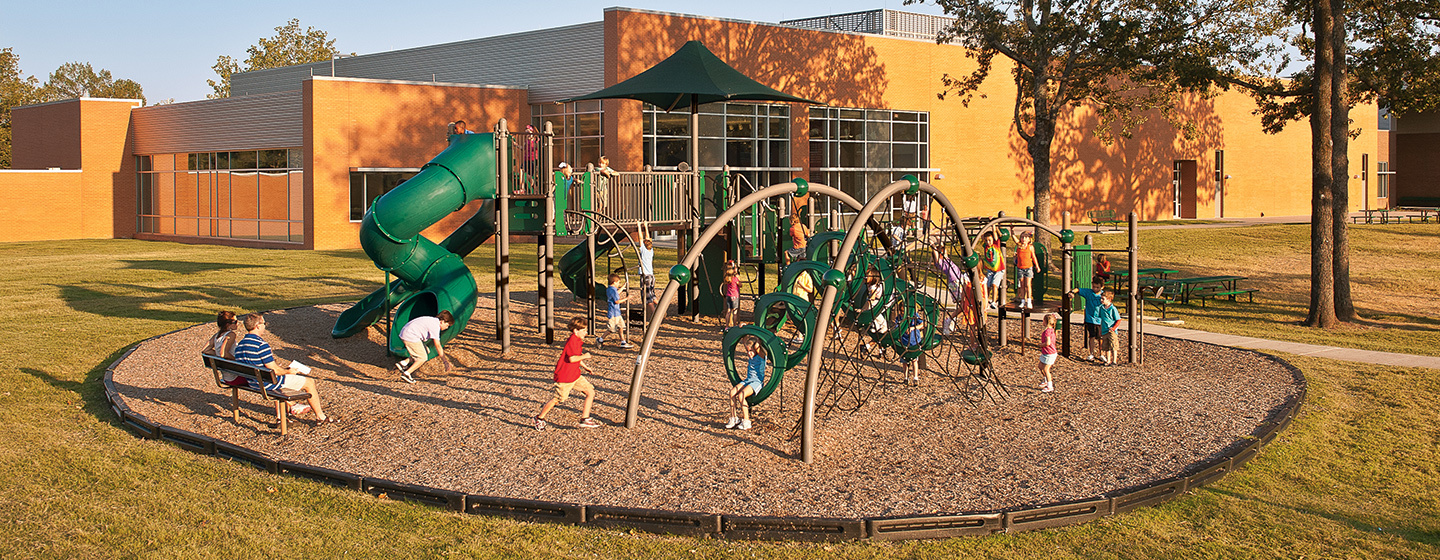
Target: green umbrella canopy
point(693, 75)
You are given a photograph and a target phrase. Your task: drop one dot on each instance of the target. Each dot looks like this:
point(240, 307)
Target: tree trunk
point(1340, 160)
point(1039, 147)
point(1322, 209)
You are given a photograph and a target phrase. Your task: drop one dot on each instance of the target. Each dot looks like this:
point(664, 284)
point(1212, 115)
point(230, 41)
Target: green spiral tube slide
point(431, 277)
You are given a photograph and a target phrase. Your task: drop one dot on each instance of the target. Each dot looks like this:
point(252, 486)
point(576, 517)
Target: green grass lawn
point(1354, 475)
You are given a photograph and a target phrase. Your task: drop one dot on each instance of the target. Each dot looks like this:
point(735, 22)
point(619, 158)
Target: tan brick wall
point(985, 163)
point(40, 205)
point(353, 123)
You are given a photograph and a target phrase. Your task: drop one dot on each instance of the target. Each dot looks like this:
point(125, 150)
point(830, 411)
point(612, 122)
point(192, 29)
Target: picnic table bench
point(1187, 287)
point(256, 379)
point(1155, 295)
point(1373, 215)
point(1216, 291)
point(1101, 217)
point(1425, 213)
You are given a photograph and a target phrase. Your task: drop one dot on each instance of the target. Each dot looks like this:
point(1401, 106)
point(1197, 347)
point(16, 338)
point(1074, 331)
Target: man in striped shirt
point(252, 350)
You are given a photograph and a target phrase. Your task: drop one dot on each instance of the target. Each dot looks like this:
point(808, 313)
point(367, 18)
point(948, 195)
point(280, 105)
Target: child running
point(751, 385)
point(730, 290)
point(1109, 324)
point(1049, 352)
point(568, 378)
point(1025, 267)
point(415, 334)
point(615, 319)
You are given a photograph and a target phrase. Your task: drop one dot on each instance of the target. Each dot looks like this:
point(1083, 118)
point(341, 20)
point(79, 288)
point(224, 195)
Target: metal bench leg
point(235, 404)
point(284, 417)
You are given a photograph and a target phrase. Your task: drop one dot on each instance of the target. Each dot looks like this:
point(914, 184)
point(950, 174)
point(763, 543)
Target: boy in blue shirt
point(1109, 324)
point(1092, 297)
point(615, 319)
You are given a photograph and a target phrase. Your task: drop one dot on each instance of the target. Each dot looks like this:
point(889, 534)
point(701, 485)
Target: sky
point(169, 47)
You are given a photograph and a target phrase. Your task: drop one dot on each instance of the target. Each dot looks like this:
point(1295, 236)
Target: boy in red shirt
point(568, 378)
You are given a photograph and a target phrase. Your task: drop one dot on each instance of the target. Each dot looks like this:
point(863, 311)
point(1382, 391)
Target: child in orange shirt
point(1025, 267)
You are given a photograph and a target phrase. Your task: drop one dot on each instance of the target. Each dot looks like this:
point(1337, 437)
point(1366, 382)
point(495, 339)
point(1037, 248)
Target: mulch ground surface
point(907, 450)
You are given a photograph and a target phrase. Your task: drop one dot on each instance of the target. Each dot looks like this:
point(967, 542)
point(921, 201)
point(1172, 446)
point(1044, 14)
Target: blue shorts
point(754, 385)
point(994, 278)
point(732, 302)
point(1025, 272)
point(1048, 359)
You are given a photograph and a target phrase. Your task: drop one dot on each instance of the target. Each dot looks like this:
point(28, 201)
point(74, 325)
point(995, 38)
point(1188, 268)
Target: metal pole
point(502, 246)
point(590, 286)
point(1067, 281)
point(1135, 310)
point(695, 207)
point(547, 262)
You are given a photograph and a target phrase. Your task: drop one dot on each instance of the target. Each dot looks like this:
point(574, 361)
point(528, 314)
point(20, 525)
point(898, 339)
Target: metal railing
point(527, 173)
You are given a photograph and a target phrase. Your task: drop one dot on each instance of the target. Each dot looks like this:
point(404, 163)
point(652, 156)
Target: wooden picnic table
point(1186, 287)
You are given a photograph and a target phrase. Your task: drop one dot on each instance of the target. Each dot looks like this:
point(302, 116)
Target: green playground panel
point(773, 347)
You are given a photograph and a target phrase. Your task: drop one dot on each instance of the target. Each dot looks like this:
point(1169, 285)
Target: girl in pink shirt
point(730, 289)
point(1048, 351)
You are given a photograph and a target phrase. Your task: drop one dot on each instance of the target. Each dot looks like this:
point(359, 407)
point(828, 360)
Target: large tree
point(15, 90)
point(74, 80)
point(288, 47)
point(1122, 57)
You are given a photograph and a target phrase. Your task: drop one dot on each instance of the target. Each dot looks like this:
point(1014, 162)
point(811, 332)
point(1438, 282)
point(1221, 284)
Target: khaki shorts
point(417, 351)
point(562, 390)
point(617, 323)
point(1108, 342)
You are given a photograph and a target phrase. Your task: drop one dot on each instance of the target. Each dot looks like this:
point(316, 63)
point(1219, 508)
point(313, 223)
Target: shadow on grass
point(1405, 532)
point(91, 391)
point(184, 267)
point(133, 301)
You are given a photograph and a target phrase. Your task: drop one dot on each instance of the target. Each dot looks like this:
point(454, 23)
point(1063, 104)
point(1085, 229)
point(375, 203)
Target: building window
point(861, 150)
point(753, 139)
point(253, 194)
point(366, 185)
point(1382, 179)
point(579, 127)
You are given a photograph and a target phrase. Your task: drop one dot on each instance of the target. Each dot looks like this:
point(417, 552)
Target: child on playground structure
point(874, 291)
point(992, 262)
point(1109, 324)
point(615, 319)
point(414, 335)
point(911, 340)
point(959, 284)
point(804, 286)
point(730, 290)
point(568, 379)
point(799, 237)
point(1025, 267)
point(1092, 312)
point(647, 270)
point(1049, 352)
point(751, 385)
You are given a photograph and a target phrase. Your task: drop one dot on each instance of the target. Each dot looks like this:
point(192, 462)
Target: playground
point(908, 451)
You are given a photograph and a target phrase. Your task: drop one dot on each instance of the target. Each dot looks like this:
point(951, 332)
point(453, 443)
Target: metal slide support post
point(502, 244)
point(590, 286)
point(1135, 301)
point(547, 260)
point(688, 260)
point(1067, 281)
point(696, 208)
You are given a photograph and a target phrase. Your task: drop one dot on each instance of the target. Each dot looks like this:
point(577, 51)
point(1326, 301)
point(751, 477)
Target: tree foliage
point(74, 80)
point(1123, 57)
point(288, 47)
point(15, 90)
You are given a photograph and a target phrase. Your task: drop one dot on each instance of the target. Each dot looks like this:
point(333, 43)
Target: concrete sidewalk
point(1332, 352)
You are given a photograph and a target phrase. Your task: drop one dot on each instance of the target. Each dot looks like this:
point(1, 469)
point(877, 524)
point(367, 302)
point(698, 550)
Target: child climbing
point(914, 332)
point(568, 379)
point(1025, 267)
point(1049, 352)
point(992, 262)
point(730, 290)
point(615, 319)
point(647, 270)
point(751, 385)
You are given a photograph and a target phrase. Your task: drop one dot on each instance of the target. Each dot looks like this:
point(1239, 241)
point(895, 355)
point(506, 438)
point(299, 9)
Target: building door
point(1184, 185)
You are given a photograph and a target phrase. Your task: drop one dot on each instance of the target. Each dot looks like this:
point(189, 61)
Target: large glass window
point(253, 194)
point(578, 129)
point(861, 150)
point(1382, 179)
point(366, 185)
point(753, 139)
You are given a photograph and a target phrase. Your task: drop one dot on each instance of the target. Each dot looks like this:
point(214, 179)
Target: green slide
point(431, 277)
point(575, 268)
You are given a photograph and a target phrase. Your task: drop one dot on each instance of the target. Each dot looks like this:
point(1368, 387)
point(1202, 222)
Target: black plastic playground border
point(817, 529)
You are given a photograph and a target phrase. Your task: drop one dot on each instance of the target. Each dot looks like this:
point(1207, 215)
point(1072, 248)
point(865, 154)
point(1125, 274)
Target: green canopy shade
point(692, 76)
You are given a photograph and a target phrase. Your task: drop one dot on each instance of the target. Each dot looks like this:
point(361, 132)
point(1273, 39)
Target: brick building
point(296, 155)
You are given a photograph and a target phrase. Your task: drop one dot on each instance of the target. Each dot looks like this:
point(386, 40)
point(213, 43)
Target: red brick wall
point(1415, 164)
point(357, 123)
